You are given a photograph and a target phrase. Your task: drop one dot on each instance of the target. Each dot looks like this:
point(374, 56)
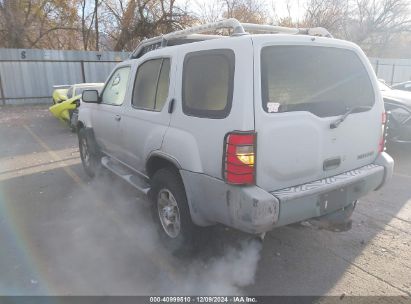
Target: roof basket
point(238, 29)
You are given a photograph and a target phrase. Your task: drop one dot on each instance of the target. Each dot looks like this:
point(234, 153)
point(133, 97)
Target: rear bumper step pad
point(327, 184)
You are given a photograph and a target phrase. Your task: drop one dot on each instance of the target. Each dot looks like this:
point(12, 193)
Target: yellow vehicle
point(60, 93)
point(63, 110)
point(67, 110)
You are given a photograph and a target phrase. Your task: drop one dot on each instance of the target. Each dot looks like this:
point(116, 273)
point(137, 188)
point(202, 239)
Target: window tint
point(151, 84)
point(322, 80)
point(116, 88)
point(163, 83)
point(208, 83)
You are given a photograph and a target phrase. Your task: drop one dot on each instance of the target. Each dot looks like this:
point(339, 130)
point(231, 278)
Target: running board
point(126, 174)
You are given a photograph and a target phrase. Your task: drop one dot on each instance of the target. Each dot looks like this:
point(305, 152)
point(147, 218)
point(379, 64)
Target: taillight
point(381, 145)
point(239, 158)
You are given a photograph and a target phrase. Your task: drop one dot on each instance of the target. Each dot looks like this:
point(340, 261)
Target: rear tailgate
point(303, 86)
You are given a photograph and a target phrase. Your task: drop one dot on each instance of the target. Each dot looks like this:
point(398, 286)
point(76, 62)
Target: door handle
point(331, 163)
point(117, 117)
point(171, 106)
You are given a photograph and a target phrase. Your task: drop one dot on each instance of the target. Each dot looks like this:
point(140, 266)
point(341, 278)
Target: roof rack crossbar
point(232, 23)
point(237, 27)
point(268, 28)
point(315, 31)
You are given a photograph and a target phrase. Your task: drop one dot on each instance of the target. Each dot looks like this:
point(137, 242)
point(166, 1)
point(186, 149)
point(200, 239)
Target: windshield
point(322, 80)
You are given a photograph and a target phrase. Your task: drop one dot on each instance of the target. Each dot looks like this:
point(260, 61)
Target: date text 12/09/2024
point(204, 299)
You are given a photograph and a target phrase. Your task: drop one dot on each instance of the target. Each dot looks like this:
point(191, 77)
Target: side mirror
point(90, 96)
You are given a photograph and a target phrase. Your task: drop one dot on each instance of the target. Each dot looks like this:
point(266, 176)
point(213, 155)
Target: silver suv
point(249, 131)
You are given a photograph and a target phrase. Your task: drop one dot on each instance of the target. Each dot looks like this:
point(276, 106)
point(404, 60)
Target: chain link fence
point(393, 71)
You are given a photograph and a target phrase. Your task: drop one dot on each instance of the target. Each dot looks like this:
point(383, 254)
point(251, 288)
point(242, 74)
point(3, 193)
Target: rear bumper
point(254, 210)
point(386, 161)
point(328, 195)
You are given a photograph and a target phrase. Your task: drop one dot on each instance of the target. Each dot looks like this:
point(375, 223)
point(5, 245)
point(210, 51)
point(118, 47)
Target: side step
point(140, 183)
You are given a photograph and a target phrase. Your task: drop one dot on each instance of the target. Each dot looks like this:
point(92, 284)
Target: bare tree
point(13, 20)
point(208, 11)
point(96, 24)
point(371, 24)
point(131, 21)
point(375, 23)
point(331, 14)
point(286, 20)
point(121, 24)
point(87, 20)
point(38, 23)
point(252, 11)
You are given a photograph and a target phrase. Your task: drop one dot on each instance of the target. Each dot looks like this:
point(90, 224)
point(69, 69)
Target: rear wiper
point(336, 123)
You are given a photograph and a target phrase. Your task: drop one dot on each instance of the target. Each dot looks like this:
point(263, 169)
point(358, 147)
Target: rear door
point(301, 88)
point(146, 118)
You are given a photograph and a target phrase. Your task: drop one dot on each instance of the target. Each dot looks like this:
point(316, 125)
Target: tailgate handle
point(331, 163)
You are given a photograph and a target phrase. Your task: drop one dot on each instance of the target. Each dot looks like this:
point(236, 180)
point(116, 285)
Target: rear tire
point(171, 212)
point(73, 120)
point(89, 154)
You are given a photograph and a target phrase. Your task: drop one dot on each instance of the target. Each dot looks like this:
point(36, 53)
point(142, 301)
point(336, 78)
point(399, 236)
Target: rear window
point(151, 84)
point(322, 80)
point(208, 83)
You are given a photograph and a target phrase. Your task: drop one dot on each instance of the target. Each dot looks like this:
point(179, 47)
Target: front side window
point(208, 78)
point(115, 90)
point(322, 80)
point(151, 84)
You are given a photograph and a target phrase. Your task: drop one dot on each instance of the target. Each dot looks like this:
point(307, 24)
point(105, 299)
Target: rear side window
point(151, 84)
point(208, 83)
point(322, 80)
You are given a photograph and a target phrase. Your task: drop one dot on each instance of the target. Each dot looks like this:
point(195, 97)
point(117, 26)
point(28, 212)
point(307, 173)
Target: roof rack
point(190, 34)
